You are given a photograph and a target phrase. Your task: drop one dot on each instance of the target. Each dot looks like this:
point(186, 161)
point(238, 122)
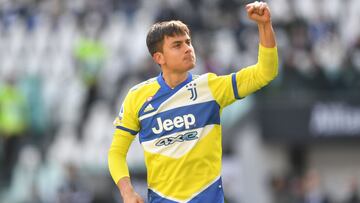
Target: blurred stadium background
point(65, 66)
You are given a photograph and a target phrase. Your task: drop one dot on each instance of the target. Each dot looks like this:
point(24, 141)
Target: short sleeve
point(223, 88)
point(127, 120)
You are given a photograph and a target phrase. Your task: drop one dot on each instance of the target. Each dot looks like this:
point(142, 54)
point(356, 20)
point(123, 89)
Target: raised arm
point(260, 13)
point(254, 77)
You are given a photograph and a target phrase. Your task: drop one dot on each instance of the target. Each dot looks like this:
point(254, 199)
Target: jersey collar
point(163, 84)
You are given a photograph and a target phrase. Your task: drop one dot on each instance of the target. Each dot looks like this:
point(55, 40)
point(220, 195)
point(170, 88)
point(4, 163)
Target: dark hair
point(158, 31)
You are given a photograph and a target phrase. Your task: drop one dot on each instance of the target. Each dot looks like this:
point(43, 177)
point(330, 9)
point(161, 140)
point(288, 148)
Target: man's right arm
point(119, 168)
point(127, 191)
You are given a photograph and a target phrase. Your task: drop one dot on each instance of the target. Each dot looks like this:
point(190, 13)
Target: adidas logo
point(148, 108)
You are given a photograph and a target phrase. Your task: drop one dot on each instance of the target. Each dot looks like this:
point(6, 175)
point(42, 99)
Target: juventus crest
point(192, 88)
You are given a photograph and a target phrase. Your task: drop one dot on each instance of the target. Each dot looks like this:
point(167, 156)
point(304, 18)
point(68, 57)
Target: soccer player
point(177, 115)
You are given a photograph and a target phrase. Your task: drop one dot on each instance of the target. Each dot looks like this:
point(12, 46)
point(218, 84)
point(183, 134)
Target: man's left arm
point(254, 77)
point(260, 13)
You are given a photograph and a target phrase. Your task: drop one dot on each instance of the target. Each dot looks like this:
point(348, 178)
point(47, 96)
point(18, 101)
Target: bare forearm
point(259, 12)
point(125, 186)
point(127, 191)
point(266, 35)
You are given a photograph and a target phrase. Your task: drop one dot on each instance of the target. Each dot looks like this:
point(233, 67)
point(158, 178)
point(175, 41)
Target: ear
point(159, 58)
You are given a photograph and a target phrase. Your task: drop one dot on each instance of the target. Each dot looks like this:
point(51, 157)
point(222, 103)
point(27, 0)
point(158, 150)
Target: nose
point(188, 48)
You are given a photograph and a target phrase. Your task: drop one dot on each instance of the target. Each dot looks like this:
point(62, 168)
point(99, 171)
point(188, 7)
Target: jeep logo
point(178, 122)
point(180, 138)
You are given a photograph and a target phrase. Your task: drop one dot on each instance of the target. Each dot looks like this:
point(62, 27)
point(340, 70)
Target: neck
point(174, 79)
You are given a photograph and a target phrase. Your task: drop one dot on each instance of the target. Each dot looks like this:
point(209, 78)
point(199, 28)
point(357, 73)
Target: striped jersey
point(180, 132)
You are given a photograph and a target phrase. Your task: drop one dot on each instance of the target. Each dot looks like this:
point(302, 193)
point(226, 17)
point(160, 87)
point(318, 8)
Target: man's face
point(178, 54)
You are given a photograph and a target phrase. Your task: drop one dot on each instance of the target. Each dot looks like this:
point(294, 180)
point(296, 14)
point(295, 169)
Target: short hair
point(158, 31)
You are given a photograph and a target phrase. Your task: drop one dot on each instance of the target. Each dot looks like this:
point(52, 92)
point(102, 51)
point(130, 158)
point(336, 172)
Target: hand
point(258, 12)
point(132, 197)
point(127, 191)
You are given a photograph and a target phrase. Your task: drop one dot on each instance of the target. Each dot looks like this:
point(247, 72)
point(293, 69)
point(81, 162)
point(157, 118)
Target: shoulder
point(202, 77)
point(138, 94)
point(194, 77)
point(206, 78)
point(213, 76)
point(143, 85)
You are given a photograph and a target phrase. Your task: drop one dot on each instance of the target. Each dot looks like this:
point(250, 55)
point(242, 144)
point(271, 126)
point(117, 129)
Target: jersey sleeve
point(128, 120)
point(228, 88)
point(127, 125)
point(117, 155)
point(223, 89)
point(254, 77)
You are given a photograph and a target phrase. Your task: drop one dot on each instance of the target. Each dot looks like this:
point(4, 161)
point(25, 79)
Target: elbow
point(111, 156)
point(115, 152)
point(276, 71)
point(271, 73)
point(274, 67)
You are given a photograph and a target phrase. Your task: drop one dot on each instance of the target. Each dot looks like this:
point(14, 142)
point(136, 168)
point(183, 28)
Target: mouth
point(189, 58)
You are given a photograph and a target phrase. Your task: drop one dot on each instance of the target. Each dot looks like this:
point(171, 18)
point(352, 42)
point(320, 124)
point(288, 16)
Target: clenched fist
point(258, 12)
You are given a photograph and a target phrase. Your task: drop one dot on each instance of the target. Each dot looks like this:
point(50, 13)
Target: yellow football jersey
point(180, 132)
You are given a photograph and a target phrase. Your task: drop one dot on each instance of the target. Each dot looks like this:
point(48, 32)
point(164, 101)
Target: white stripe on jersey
point(182, 97)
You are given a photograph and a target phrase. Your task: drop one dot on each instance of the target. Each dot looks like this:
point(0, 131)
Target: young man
point(177, 115)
